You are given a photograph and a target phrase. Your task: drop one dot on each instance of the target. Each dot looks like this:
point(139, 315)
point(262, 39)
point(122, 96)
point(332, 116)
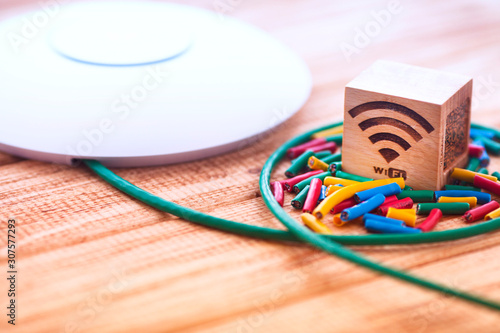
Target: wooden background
point(93, 260)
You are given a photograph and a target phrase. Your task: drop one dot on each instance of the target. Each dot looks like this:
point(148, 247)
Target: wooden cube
point(406, 121)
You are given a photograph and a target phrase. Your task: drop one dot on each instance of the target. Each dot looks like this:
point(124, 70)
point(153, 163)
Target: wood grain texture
point(94, 260)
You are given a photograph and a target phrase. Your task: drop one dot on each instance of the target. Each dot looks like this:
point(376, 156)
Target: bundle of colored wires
point(298, 232)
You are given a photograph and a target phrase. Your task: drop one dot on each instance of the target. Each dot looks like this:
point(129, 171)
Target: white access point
point(140, 83)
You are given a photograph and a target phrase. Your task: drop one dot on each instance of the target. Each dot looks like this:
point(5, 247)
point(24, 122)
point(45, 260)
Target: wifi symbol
point(387, 153)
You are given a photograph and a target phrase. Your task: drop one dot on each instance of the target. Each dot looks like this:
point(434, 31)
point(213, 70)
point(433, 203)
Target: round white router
point(140, 83)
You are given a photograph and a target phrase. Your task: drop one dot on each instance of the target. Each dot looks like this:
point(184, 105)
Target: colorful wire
point(297, 232)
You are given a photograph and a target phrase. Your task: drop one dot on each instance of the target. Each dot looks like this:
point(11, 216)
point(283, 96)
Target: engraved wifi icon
point(390, 154)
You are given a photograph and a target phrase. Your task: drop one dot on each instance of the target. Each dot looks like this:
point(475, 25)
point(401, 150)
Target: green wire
point(297, 232)
point(281, 235)
point(340, 251)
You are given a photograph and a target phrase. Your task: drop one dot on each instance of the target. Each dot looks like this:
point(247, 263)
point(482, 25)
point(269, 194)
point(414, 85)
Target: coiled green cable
point(297, 232)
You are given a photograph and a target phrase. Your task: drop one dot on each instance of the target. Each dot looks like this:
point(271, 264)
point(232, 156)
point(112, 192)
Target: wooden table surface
point(91, 259)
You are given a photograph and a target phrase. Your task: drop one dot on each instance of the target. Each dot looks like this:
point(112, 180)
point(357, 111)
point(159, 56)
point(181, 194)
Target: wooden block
point(408, 121)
